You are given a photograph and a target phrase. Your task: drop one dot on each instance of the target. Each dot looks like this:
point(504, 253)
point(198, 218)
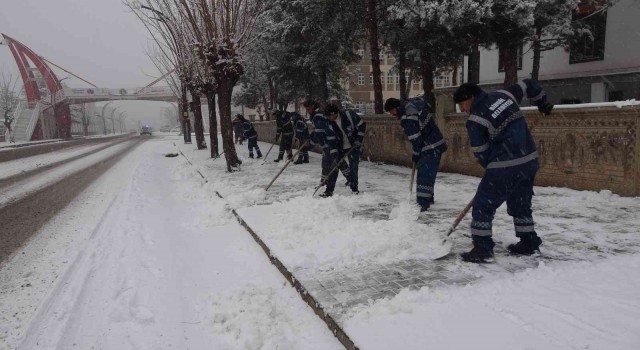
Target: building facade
point(359, 81)
point(603, 68)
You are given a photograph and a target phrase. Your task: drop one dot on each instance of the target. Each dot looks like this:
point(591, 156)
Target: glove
point(545, 107)
point(415, 158)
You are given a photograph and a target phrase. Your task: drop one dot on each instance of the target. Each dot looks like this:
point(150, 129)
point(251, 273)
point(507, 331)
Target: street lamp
point(113, 125)
point(122, 117)
point(102, 116)
point(104, 123)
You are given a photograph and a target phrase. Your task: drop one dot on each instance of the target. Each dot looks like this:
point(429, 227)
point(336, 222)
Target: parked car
point(145, 130)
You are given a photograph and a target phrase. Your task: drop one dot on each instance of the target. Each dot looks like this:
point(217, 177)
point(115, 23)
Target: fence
point(581, 147)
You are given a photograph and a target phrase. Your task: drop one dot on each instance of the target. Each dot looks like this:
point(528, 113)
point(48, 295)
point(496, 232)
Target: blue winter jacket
point(417, 118)
point(284, 125)
point(325, 135)
point(300, 126)
point(248, 132)
point(498, 133)
point(353, 126)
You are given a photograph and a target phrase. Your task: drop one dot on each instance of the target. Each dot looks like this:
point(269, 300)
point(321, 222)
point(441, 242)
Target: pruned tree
point(8, 100)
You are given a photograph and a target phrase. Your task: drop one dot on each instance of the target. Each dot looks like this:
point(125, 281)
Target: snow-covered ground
point(149, 258)
point(21, 165)
point(571, 297)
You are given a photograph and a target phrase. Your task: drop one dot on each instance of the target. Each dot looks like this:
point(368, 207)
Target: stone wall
point(581, 148)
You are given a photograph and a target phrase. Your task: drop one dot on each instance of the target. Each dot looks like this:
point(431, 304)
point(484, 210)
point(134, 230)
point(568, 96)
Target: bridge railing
point(33, 120)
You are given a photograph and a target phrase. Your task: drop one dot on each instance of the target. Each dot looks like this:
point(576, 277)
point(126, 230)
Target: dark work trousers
point(427, 169)
point(513, 185)
point(286, 142)
point(354, 162)
point(304, 153)
point(330, 179)
point(252, 143)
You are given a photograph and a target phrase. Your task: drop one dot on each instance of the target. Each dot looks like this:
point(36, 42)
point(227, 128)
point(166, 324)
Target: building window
point(360, 53)
point(360, 78)
point(501, 62)
point(390, 78)
point(371, 79)
point(590, 46)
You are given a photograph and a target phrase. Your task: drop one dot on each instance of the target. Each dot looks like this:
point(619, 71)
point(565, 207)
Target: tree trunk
point(266, 115)
point(184, 115)
point(402, 71)
point(427, 76)
point(372, 26)
point(196, 108)
point(473, 68)
point(272, 94)
point(454, 75)
point(325, 82)
point(510, 61)
point(224, 102)
point(213, 124)
point(535, 71)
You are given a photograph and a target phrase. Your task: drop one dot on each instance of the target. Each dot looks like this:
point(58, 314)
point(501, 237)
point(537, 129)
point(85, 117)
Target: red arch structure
point(24, 57)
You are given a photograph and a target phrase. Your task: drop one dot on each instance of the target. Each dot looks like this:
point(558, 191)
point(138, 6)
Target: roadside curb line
point(334, 327)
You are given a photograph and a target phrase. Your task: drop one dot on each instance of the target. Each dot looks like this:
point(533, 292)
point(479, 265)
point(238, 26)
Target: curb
point(337, 331)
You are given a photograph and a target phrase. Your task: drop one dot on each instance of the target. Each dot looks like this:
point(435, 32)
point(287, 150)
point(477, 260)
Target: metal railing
point(33, 120)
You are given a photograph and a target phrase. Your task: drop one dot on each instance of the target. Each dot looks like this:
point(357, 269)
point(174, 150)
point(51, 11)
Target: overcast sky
point(99, 40)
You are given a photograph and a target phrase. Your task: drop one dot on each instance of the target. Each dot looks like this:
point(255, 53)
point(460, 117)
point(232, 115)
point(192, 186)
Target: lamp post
point(102, 116)
point(184, 118)
point(122, 116)
point(113, 125)
point(104, 123)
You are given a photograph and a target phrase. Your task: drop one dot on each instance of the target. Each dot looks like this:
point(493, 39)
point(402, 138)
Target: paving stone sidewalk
point(560, 226)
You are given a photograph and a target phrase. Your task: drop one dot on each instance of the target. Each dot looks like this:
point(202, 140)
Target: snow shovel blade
point(445, 247)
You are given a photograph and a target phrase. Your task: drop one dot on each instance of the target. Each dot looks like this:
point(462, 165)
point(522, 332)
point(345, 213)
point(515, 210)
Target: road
point(128, 249)
point(34, 186)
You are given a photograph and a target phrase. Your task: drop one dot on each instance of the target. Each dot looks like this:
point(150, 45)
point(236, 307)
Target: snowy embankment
point(149, 258)
point(582, 231)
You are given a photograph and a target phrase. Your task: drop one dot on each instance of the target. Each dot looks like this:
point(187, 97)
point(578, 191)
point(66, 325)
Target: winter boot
point(306, 159)
point(251, 155)
point(298, 161)
point(482, 251)
point(259, 154)
point(528, 245)
point(424, 208)
point(326, 194)
point(278, 159)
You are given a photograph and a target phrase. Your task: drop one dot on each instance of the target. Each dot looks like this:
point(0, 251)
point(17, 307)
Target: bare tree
point(220, 30)
point(8, 101)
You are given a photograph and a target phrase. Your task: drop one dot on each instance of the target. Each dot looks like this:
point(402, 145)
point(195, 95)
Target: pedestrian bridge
point(87, 95)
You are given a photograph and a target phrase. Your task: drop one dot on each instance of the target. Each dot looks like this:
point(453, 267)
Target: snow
point(581, 305)
point(149, 258)
point(618, 104)
point(17, 166)
point(563, 300)
point(19, 189)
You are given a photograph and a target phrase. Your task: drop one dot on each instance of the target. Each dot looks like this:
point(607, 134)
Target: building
point(603, 68)
point(359, 85)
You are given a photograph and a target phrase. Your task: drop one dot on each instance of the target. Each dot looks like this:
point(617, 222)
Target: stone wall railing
point(594, 148)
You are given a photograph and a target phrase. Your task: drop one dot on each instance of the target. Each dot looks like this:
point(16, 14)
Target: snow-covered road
point(149, 258)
